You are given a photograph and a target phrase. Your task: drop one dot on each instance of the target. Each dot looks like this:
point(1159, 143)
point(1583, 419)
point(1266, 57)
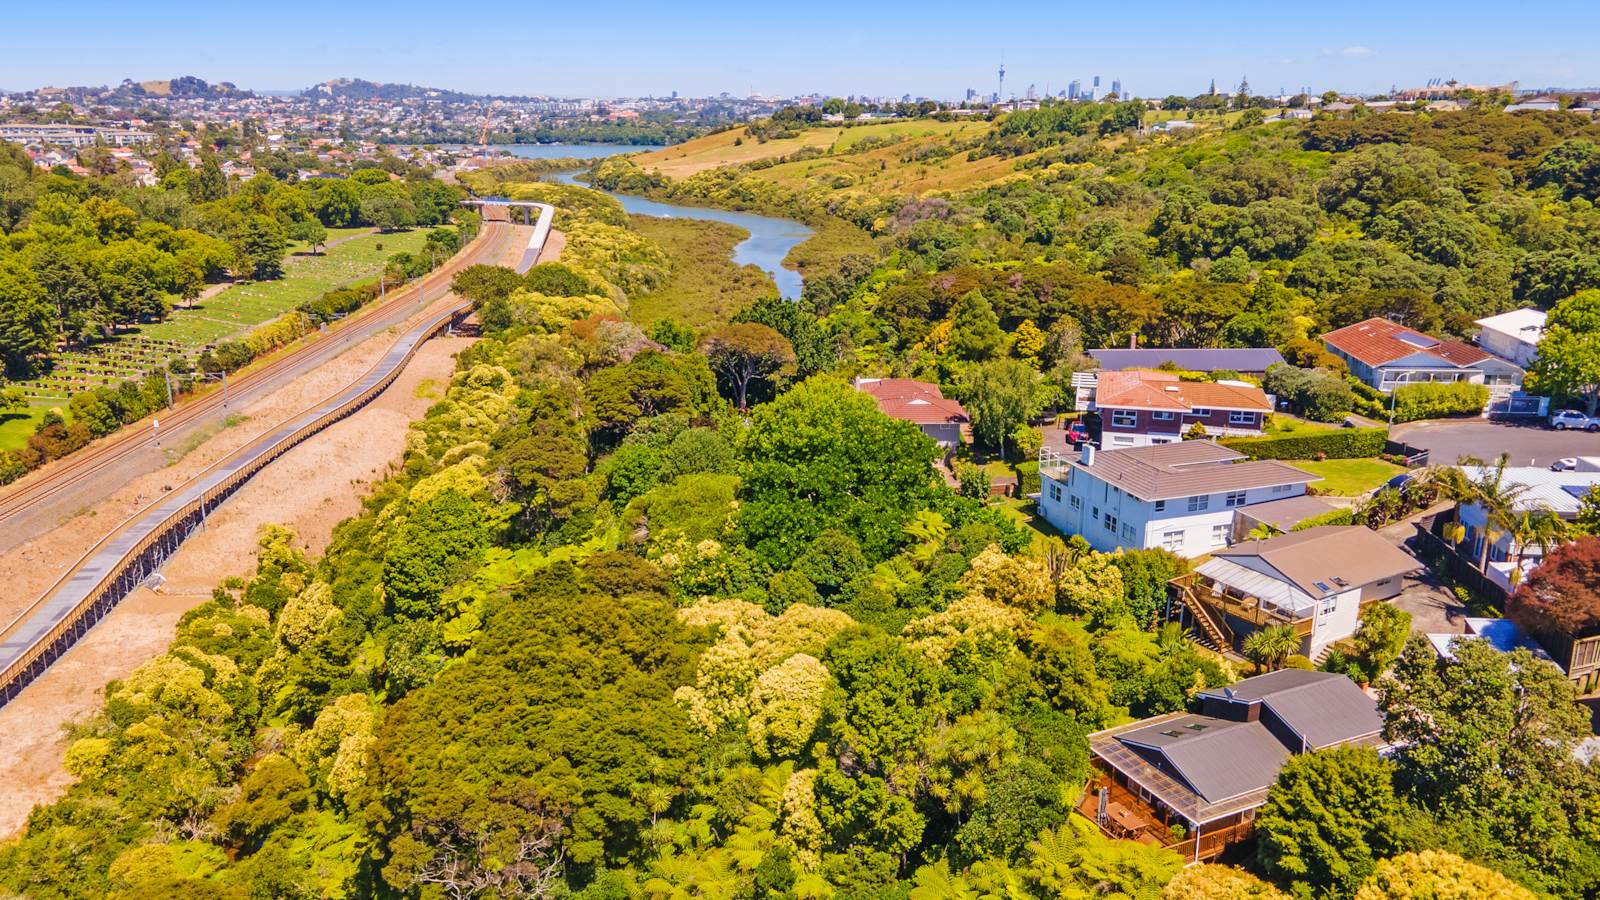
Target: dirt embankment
point(310, 489)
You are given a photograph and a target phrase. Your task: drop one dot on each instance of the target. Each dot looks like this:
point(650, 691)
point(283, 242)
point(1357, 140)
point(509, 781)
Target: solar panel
point(1577, 490)
point(1418, 340)
point(1322, 586)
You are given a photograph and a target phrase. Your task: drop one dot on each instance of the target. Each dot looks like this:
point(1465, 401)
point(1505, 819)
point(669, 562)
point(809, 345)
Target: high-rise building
point(1074, 89)
point(1116, 86)
point(1030, 94)
point(971, 95)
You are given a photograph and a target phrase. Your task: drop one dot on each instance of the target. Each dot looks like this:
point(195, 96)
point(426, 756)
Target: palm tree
point(1540, 527)
point(1271, 646)
point(1486, 488)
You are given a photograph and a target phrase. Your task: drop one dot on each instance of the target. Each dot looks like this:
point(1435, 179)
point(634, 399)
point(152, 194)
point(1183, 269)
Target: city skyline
point(889, 50)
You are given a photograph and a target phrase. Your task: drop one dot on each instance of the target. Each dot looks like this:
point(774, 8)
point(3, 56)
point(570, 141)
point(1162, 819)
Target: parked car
point(1077, 434)
point(1574, 420)
point(1399, 482)
point(1566, 464)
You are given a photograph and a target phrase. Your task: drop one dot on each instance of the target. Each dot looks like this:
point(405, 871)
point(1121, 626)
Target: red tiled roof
point(1165, 391)
point(913, 401)
point(1378, 341)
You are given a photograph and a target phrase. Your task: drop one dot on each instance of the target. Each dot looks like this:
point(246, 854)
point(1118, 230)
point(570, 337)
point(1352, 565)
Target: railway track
point(137, 548)
point(30, 492)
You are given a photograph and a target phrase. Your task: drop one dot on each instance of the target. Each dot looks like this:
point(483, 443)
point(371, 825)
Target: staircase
point(1213, 632)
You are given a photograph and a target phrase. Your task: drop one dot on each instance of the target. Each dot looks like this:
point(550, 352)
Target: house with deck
point(1386, 355)
point(1180, 496)
point(1140, 408)
point(921, 404)
point(1315, 581)
point(1193, 781)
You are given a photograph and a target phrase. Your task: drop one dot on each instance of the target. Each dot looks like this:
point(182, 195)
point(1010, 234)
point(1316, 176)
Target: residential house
point(1538, 489)
point(1315, 581)
point(1179, 496)
point(921, 404)
point(1513, 336)
point(1140, 408)
point(1244, 360)
point(1503, 635)
point(1385, 354)
point(1193, 782)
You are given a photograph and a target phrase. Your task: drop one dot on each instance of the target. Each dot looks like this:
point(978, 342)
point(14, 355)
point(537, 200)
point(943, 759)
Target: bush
point(1435, 400)
point(1331, 517)
point(1346, 443)
point(1028, 481)
point(1317, 394)
point(974, 481)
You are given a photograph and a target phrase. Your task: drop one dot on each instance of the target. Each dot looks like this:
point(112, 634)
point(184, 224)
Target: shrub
point(974, 481)
point(1028, 481)
point(1317, 394)
point(1346, 443)
point(1435, 400)
point(1331, 517)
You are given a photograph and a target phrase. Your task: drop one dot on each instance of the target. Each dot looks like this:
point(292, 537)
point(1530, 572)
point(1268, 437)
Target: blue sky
point(938, 48)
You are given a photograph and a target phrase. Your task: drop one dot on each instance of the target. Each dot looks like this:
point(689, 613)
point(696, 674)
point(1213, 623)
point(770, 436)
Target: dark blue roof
point(1206, 359)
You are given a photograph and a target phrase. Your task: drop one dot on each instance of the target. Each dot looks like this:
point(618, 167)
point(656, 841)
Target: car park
point(1572, 420)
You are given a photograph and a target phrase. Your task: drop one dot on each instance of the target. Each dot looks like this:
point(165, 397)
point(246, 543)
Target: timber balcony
point(1224, 614)
point(1130, 817)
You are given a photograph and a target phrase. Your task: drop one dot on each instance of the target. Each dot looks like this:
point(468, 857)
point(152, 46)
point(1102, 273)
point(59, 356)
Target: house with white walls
point(1180, 496)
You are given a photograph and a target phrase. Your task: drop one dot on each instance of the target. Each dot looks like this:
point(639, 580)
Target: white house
point(1513, 336)
point(1559, 493)
point(1315, 581)
point(1179, 496)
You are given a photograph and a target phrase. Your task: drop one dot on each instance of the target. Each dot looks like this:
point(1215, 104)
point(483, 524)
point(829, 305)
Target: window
point(1127, 532)
point(1196, 504)
point(1235, 498)
point(1110, 522)
point(1221, 534)
point(1055, 492)
point(1094, 512)
point(1161, 506)
point(1172, 540)
point(1121, 418)
point(1122, 440)
point(1282, 488)
point(1162, 416)
point(1241, 418)
point(1077, 502)
point(1200, 413)
point(1329, 604)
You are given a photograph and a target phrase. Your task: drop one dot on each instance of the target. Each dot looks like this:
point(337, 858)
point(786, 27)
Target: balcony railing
point(1222, 599)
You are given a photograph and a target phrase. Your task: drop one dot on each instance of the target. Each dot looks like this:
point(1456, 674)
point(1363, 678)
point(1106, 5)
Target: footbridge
point(133, 551)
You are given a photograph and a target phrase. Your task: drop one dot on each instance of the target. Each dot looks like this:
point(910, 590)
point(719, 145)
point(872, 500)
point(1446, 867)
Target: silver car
point(1571, 419)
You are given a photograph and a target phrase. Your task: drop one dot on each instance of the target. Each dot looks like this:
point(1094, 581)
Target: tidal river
point(769, 242)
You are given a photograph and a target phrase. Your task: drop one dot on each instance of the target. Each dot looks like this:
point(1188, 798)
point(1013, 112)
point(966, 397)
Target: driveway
point(1529, 444)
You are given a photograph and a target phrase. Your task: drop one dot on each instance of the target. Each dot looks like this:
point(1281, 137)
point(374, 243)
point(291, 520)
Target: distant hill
point(185, 86)
point(360, 89)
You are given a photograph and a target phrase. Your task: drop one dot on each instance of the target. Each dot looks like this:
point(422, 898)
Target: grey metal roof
point(1185, 469)
point(1176, 795)
point(1218, 759)
point(1202, 359)
point(1286, 513)
point(1324, 708)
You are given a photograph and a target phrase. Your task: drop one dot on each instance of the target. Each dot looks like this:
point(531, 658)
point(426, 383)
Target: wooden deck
point(1133, 819)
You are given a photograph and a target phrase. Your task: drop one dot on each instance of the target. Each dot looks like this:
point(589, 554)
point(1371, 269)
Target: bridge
point(136, 549)
point(502, 207)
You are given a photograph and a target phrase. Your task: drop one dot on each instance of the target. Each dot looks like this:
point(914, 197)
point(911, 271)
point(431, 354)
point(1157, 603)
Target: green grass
point(305, 278)
point(1283, 426)
point(15, 428)
point(1349, 477)
point(706, 288)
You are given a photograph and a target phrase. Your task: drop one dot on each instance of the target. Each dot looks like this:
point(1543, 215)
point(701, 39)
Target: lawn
point(16, 427)
point(1349, 477)
point(1279, 425)
point(706, 287)
point(304, 278)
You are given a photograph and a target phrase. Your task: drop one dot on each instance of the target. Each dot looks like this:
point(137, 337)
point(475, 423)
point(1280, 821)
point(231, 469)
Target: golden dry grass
point(720, 149)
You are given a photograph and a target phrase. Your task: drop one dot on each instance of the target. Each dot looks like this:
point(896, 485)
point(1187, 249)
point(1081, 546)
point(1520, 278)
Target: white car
point(1572, 419)
point(1565, 464)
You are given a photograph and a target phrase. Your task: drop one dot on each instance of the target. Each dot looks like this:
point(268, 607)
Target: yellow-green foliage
point(1436, 875)
point(616, 255)
point(1216, 882)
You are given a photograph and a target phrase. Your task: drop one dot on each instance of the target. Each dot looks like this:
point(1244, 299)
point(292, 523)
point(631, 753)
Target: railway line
point(32, 491)
point(137, 548)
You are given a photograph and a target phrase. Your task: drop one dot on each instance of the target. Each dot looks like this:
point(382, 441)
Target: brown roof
point(1379, 341)
point(1165, 391)
point(917, 402)
point(1186, 468)
point(1329, 558)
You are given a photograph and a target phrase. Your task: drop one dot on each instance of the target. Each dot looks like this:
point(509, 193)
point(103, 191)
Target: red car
point(1077, 434)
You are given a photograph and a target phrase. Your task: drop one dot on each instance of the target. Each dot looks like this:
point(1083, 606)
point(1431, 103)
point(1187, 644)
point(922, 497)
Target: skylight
point(1322, 586)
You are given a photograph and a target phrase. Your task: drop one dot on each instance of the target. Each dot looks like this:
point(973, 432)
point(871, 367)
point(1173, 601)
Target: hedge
point(1331, 517)
point(1028, 478)
point(1344, 443)
point(1437, 400)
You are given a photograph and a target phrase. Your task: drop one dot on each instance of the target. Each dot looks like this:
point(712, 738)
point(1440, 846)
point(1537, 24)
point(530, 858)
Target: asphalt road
point(1529, 444)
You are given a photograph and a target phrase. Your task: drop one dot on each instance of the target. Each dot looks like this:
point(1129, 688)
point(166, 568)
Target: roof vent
point(1172, 388)
point(1173, 733)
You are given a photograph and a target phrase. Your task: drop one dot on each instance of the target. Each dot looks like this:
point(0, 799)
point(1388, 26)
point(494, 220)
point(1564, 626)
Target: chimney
point(1133, 340)
point(1088, 454)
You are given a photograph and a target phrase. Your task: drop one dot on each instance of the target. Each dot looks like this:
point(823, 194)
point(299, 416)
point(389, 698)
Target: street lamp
point(1405, 377)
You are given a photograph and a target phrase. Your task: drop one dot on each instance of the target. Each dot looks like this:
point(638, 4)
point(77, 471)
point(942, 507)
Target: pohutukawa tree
point(743, 353)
